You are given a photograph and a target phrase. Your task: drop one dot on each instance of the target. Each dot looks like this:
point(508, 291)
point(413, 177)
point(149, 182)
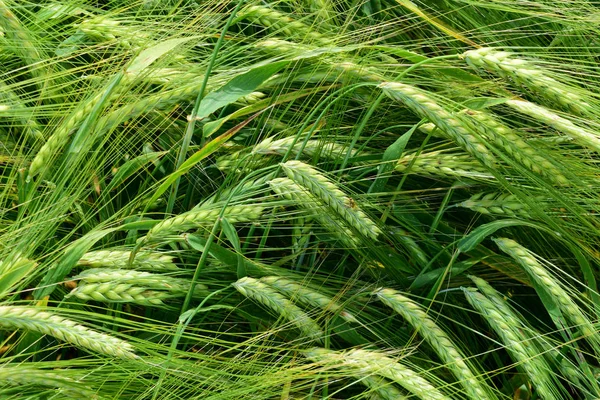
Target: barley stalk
point(509, 142)
point(507, 65)
point(501, 204)
point(264, 294)
point(298, 292)
point(318, 185)
point(580, 135)
point(288, 189)
point(437, 339)
point(367, 362)
point(560, 296)
point(120, 259)
point(200, 217)
point(439, 164)
point(452, 125)
point(506, 329)
point(31, 319)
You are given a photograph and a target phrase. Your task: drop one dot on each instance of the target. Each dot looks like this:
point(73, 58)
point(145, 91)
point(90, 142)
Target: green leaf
point(240, 86)
point(131, 167)
point(12, 272)
point(232, 235)
point(480, 103)
point(391, 155)
point(479, 234)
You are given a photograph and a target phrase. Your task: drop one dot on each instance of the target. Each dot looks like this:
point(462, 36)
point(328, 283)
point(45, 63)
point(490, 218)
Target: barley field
point(302, 199)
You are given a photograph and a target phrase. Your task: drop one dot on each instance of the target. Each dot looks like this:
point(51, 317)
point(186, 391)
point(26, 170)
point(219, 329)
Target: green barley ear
point(537, 343)
point(52, 378)
point(123, 285)
point(262, 293)
point(424, 105)
point(32, 319)
point(580, 135)
point(554, 289)
point(23, 43)
point(319, 186)
point(281, 23)
point(437, 339)
point(203, 217)
point(511, 144)
point(365, 362)
point(299, 292)
point(508, 330)
point(538, 80)
point(113, 292)
point(120, 259)
point(504, 204)
point(439, 164)
point(288, 189)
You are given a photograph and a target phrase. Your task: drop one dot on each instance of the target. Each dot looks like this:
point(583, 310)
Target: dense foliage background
point(305, 199)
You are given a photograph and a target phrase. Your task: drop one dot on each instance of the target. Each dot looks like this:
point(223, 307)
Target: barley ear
point(32, 319)
point(323, 189)
point(554, 289)
point(267, 296)
point(508, 330)
point(437, 339)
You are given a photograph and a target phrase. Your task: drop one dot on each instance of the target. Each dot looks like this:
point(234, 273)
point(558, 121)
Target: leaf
point(131, 167)
point(151, 54)
point(391, 155)
point(479, 234)
point(232, 235)
point(480, 103)
point(240, 86)
point(12, 272)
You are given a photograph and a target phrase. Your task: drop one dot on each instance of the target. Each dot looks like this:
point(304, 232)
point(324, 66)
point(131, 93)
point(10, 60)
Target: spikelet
point(32, 319)
point(523, 72)
point(319, 186)
point(452, 125)
point(437, 339)
point(262, 293)
point(298, 292)
point(376, 364)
